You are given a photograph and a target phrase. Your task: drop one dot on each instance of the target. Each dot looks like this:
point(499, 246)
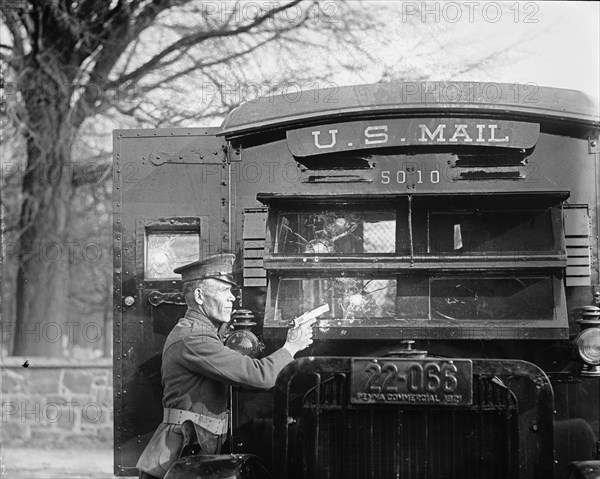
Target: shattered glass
point(167, 251)
point(492, 298)
point(398, 298)
point(349, 298)
point(336, 233)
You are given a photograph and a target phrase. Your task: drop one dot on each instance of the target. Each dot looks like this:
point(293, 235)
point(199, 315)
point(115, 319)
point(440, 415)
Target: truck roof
point(297, 107)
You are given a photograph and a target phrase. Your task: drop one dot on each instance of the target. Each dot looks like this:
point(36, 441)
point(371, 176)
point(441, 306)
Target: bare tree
point(68, 62)
point(70, 70)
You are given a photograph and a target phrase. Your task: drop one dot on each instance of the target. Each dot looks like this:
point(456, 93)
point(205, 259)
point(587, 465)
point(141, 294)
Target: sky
point(553, 44)
point(565, 49)
point(543, 43)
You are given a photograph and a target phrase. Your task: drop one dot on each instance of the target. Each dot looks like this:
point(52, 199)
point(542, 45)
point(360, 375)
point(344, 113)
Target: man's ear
point(198, 296)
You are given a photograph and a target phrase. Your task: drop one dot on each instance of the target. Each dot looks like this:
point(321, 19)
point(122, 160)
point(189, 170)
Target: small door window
point(166, 251)
point(164, 244)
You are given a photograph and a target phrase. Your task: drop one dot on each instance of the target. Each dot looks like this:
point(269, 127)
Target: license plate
point(439, 382)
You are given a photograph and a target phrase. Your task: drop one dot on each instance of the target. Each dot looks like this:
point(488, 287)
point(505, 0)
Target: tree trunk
point(44, 255)
point(43, 276)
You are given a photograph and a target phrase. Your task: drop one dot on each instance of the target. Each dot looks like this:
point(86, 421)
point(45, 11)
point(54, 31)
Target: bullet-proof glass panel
point(515, 297)
point(166, 251)
point(485, 232)
point(348, 298)
point(336, 233)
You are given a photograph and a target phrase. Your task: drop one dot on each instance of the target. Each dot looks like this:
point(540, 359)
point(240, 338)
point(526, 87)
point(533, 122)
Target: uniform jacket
point(196, 370)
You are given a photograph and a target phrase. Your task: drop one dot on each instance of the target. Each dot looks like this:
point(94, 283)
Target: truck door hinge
point(156, 298)
point(593, 145)
point(234, 153)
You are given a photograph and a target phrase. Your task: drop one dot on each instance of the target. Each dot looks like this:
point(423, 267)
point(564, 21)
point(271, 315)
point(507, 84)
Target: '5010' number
point(400, 177)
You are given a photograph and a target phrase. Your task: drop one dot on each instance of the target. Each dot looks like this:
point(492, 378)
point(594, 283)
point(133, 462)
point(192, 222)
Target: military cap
point(218, 266)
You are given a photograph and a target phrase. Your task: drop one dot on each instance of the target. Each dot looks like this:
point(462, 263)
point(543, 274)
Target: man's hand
point(299, 337)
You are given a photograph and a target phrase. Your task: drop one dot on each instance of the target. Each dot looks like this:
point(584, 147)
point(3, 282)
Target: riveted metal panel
point(173, 184)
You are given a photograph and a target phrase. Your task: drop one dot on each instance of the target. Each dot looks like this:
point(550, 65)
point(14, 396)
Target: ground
point(38, 463)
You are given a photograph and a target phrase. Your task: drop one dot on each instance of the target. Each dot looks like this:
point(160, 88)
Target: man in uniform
point(197, 368)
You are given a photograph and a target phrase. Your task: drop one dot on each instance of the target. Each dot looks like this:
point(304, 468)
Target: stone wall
point(54, 402)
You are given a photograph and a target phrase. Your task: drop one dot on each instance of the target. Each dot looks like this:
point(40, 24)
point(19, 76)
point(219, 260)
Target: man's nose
point(231, 297)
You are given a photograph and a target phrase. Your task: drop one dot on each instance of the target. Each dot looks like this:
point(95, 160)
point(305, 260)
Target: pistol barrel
point(303, 318)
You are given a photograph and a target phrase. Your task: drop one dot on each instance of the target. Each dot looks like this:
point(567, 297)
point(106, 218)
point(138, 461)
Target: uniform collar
point(199, 317)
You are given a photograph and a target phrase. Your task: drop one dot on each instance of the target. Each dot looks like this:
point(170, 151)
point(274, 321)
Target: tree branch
point(201, 66)
point(12, 23)
point(195, 39)
point(130, 55)
point(124, 28)
point(7, 59)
